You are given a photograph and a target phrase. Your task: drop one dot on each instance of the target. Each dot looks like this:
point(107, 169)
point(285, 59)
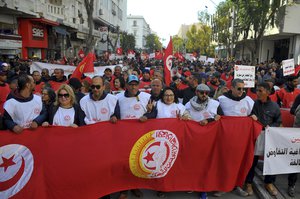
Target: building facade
point(51, 29)
point(278, 43)
point(138, 26)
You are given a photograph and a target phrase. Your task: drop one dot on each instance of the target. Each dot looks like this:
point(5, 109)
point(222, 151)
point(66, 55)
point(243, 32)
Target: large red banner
point(95, 160)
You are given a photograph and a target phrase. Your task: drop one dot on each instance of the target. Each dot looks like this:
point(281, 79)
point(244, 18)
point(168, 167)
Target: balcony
point(56, 11)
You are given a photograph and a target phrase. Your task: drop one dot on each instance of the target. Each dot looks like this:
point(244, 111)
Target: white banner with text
point(282, 151)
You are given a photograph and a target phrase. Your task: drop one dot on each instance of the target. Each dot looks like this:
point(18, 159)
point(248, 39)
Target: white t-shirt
point(133, 107)
point(97, 111)
point(64, 117)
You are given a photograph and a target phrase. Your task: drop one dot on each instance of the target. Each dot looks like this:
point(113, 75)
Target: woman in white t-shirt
point(65, 112)
point(167, 107)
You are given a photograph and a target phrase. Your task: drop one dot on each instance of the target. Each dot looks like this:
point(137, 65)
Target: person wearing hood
point(202, 108)
point(235, 102)
point(23, 109)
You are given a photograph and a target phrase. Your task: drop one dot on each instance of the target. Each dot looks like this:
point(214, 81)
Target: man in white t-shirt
point(133, 105)
point(235, 102)
point(99, 106)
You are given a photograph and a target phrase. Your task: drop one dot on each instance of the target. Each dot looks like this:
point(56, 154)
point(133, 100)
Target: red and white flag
point(158, 55)
point(179, 56)
point(119, 50)
point(130, 53)
point(81, 54)
point(85, 66)
point(48, 163)
point(168, 62)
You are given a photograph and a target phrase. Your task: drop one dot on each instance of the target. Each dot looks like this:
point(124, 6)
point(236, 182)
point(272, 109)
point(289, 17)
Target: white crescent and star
point(16, 167)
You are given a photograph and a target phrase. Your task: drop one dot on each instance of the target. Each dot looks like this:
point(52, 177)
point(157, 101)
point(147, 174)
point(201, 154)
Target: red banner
point(95, 160)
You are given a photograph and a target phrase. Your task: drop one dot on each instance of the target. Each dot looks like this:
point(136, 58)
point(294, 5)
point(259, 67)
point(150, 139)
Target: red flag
point(195, 54)
point(119, 51)
point(85, 66)
point(179, 56)
point(131, 155)
point(81, 54)
point(158, 55)
point(168, 62)
point(130, 52)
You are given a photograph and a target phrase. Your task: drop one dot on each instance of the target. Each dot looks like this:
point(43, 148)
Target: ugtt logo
point(154, 154)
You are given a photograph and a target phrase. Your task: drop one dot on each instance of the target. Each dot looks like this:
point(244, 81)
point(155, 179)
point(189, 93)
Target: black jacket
point(78, 118)
point(268, 113)
point(186, 94)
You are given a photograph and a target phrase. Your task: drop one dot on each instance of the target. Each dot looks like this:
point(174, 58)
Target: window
point(134, 23)
point(120, 14)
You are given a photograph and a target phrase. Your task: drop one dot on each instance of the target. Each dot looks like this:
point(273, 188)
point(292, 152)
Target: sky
point(166, 16)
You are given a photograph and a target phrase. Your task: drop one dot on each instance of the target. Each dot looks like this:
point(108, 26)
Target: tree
point(255, 15)
point(90, 40)
point(127, 41)
point(178, 44)
point(113, 38)
point(199, 40)
point(153, 43)
point(221, 26)
point(203, 17)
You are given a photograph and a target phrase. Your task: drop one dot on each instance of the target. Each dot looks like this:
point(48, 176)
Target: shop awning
point(61, 30)
point(45, 21)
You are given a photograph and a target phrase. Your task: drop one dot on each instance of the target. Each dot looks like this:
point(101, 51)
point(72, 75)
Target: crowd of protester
point(199, 91)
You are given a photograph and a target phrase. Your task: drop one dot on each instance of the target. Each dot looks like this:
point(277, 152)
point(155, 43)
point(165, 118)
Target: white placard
point(246, 73)
point(202, 58)
point(190, 56)
point(210, 60)
point(151, 55)
point(282, 151)
point(288, 67)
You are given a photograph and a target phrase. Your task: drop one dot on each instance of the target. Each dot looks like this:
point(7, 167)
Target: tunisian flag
point(85, 66)
point(160, 154)
point(168, 62)
point(158, 55)
point(81, 54)
point(179, 56)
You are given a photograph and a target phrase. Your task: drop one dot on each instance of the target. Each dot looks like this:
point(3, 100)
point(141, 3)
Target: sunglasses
point(95, 86)
point(240, 89)
point(203, 92)
point(66, 95)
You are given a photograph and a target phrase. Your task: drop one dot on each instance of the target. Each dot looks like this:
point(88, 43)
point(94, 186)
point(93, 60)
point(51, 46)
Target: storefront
point(34, 34)
point(10, 46)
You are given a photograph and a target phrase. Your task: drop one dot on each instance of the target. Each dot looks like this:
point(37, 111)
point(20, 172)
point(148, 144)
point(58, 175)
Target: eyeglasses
point(169, 95)
point(240, 89)
point(203, 92)
point(95, 86)
point(66, 95)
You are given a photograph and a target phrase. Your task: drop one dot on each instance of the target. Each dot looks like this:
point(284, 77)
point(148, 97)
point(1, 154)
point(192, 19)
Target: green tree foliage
point(203, 17)
point(152, 43)
point(222, 22)
point(127, 41)
point(199, 40)
point(255, 15)
point(178, 44)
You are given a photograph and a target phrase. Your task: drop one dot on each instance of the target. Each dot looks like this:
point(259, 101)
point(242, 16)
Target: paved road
point(149, 194)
